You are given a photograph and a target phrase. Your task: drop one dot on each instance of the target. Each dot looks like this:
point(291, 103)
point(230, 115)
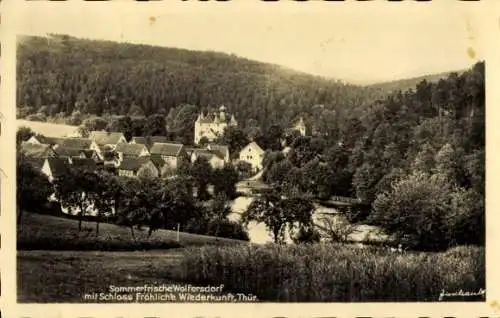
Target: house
point(54, 142)
point(170, 152)
point(221, 150)
point(131, 150)
point(54, 168)
point(212, 125)
point(36, 163)
point(69, 153)
point(214, 158)
point(149, 140)
point(253, 154)
point(130, 167)
point(91, 154)
point(84, 163)
point(80, 143)
point(104, 138)
point(32, 150)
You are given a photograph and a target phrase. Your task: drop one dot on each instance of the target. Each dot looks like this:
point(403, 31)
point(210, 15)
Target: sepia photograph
point(233, 154)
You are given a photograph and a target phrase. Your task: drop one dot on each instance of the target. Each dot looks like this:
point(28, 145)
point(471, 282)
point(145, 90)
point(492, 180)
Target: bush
point(414, 211)
point(226, 229)
point(334, 272)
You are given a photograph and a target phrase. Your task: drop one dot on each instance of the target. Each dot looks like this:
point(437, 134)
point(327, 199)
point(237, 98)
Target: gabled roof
point(157, 161)
point(132, 164)
point(189, 150)
point(253, 144)
point(105, 138)
point(207, 154)
point(86, 163)
point(166, 149)
point(139, 140)
point(58, 166)
point(150, 140)
point(81, 143)
point(49, 140)
point(37, 163)
point(35, 150)
point(69, 152)
point(221, 149)
point(89, 153)
point(130, 149)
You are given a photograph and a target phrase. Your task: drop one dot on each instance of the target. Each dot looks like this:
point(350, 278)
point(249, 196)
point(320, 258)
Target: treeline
point(416, 159)
point(60, 75)
point(156, 203)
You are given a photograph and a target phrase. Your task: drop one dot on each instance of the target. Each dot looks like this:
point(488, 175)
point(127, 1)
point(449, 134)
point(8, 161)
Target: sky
point(357, 42)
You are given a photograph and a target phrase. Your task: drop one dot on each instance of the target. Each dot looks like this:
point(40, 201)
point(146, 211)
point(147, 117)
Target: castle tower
point(301, 126)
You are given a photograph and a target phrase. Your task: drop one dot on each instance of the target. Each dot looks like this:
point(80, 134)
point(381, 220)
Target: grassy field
point(43, 232)
point(48, 129)
point(65, 276)
point(326, 272)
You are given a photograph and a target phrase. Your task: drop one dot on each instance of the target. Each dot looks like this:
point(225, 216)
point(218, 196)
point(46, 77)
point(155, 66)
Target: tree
point(76, 190)
point(155, 126)
point(234, 138)
point(83, 131)
point(183, 124)
point(224, 181)
point(304, 149)
point(201, 171)
point(23, 134)
point(33, 187)
point(336, 229)
point(279, 214)
point(146, 173)
point(414, 211)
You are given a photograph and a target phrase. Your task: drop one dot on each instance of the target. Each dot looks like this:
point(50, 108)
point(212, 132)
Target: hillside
point(58, 75)
point(411, 83)
point(45, 232)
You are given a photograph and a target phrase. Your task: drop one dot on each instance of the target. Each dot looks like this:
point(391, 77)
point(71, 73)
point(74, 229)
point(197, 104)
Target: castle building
point(212, 125)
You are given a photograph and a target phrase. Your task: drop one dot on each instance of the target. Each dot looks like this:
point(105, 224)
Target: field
point(319, 272)
point(64, 276)
point(48, 129)
point(328, 272)
point(43, 232)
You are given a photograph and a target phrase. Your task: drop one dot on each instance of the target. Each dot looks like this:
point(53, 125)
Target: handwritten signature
point(462, 293)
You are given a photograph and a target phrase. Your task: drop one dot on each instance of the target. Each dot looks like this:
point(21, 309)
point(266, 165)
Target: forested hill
point(61, 74)
point(411, 83)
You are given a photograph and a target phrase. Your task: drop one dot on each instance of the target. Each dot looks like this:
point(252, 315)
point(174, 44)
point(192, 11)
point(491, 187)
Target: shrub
point(414, 211)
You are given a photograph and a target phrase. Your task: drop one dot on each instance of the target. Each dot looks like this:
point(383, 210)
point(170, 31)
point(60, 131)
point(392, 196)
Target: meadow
point(333, 272)
point(59, 272)
point(44, 232)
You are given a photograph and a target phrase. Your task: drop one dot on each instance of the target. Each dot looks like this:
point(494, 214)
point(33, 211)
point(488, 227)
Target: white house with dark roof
point(212, 125)
point(221, 150)
point(253, 154)
point(215, 159)
point(149, 140)
point(55, 167)
point(131, 167)
point(104, 138)
point(171, 153)
point(37, 150)
point(131, 150)
point(80, 143)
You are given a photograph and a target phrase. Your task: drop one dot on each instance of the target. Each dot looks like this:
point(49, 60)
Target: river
point(259, 234)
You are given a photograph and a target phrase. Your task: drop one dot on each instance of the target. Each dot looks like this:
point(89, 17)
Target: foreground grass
point(64, 276)
point(43, 232)
point(325, 272)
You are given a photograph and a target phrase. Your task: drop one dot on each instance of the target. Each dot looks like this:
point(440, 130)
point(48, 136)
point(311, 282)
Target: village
point(151, 156)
